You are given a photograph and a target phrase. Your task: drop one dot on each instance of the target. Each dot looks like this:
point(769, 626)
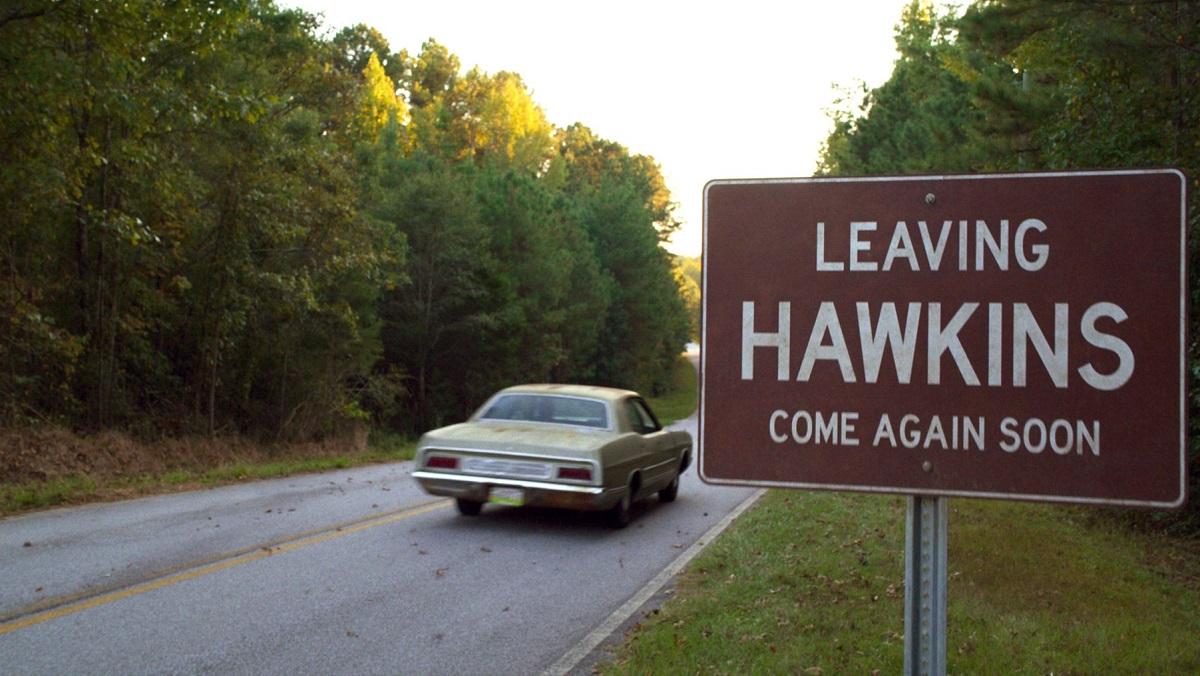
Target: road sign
point(993, 335)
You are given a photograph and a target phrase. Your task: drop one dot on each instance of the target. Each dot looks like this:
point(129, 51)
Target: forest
point(217, 219)
point(1024, 85)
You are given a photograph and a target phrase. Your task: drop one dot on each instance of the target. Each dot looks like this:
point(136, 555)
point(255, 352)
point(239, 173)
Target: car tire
point(619, 515)
point(669, 493)
point(468, 507)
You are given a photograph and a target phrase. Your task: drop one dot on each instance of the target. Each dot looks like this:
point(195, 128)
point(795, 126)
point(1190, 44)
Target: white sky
point(734, 89)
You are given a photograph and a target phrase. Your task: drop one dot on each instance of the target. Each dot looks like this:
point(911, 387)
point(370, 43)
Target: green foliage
point(212, 219)
point(922, 118)
point(355, 46)
point(432, 321)
point(533, 255)
point(615, 197)
point(682, 396)
point(688, 273)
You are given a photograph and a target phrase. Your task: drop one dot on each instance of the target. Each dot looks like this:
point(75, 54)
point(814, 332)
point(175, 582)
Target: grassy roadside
point(200, 471)
point(812, 582)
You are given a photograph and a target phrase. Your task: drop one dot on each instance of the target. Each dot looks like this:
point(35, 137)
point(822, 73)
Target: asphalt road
point(349, 572)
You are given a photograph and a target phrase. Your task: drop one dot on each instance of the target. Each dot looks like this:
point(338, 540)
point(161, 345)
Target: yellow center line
point(76, 603)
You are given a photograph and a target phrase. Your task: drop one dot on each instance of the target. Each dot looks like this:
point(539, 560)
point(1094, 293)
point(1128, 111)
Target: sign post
point(925, 575)
point(1012, 336)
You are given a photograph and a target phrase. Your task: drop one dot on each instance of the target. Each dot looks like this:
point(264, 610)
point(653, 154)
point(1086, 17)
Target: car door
point(660, 461)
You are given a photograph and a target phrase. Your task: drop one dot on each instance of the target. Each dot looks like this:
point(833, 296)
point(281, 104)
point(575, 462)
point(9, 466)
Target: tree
point(433, 75)
point(278, 306)
point(922, 118)
point(590, 159)
point(614, 196)
point(477, 116)
point(528, 282)
point(432, 322)
point(191, 236)
point(378, 105)
point(688, 274)
point(213, 220)
point(503, 125)
point(355, 45)
point(102, 102)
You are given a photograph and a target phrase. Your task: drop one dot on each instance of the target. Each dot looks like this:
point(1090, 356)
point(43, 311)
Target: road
point(347, 572)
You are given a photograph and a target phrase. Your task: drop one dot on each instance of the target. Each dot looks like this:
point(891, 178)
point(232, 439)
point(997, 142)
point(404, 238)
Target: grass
point(812, 582)
point(24, 497)
point(680, 402)
point(802, 582)
point(1053, 589)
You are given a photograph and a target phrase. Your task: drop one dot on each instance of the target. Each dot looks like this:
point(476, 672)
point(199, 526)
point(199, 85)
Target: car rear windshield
point(548, 409)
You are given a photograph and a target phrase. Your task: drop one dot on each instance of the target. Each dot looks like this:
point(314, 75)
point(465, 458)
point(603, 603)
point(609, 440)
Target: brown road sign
point(994, 335)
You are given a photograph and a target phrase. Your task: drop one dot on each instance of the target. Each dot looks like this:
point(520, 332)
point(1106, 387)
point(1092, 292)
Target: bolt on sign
point(1015, 336)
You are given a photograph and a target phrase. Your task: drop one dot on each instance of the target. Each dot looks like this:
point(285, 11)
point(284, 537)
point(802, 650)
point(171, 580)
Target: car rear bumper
point(533, 493)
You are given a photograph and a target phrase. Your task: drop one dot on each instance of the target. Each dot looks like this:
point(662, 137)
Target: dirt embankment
point(50, 454)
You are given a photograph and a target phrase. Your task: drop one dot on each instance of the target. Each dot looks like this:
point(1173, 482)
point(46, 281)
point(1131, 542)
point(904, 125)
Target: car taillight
point(575, 473)
point(441, 462)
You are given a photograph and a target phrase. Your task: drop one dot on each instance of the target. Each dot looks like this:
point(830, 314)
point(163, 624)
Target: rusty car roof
point(591, 391)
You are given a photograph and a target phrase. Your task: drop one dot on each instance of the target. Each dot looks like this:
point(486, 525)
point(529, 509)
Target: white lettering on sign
point(1035, 340)
point(1063, 437)
point(805, 427)
point(1104, 341)
point(964, 432)
point(909, 431)
point(827, 342)
point(995, 246)
point(991, 246)
point(780, 340)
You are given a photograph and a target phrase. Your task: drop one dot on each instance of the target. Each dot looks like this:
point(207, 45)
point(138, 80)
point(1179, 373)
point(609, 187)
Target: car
point(577, 447)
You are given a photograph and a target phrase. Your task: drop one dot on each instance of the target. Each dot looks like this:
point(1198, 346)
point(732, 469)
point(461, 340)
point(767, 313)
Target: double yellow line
point(44, 611)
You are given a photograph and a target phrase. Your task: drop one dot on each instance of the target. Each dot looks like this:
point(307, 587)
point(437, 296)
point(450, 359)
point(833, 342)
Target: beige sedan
point(565, 446)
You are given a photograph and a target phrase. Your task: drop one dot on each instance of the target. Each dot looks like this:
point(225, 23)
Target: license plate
point(507, 496)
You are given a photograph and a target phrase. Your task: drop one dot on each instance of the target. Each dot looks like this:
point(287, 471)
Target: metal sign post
point(925, 586)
